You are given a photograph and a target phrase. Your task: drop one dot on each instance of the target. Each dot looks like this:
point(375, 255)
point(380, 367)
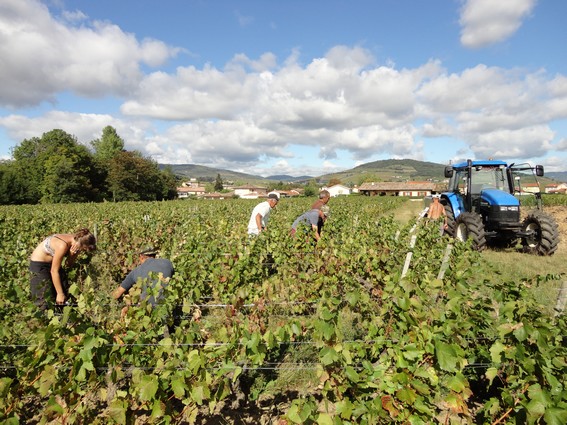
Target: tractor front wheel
point(469, 226)
point(543, 234)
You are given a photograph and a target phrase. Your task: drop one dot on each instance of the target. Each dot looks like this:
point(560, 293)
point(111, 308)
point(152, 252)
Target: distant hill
point(560, 176)
point(385, 170)
point(203, 173)
point(390, 170)
point(288, 178)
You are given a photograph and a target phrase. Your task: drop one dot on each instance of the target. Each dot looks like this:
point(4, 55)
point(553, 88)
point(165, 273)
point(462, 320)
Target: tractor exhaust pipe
point(469, 185)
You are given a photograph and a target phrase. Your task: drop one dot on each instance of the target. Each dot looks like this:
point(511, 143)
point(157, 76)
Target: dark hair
point(149, 251)
point(86, 239)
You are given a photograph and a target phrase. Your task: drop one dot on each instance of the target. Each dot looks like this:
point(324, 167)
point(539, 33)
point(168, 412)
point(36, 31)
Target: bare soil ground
point(559, 213)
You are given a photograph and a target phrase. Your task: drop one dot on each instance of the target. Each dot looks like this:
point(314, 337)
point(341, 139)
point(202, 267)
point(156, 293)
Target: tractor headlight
point(511, 208)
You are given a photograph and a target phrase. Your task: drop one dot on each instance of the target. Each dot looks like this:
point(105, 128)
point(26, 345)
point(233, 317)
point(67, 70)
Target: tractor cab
point(475, 179)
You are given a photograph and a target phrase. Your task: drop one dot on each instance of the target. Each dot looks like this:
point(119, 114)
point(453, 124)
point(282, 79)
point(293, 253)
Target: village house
point(556, 188)
point(411, 189)
point(189, 188)
point(186, 191)
point(530, 187)
point(250, 191)
point(337, 190)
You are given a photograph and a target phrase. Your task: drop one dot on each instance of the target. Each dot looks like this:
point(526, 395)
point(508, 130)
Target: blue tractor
point(482, 204)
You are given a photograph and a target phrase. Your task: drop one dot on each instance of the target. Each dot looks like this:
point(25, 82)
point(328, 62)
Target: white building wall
point(338, 190)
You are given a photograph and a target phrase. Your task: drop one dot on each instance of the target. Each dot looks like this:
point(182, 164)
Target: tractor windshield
point(483, 177)
point(488, 177)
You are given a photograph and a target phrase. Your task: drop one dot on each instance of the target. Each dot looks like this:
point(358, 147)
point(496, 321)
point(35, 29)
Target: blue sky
point(291, 87)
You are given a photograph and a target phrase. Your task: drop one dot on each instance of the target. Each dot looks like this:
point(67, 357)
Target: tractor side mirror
point(448, 172)
point(539, 170)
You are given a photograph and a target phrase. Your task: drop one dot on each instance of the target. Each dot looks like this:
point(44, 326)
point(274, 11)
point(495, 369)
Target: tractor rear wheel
point(544, 234)
point(450, 230)
point(469, 226)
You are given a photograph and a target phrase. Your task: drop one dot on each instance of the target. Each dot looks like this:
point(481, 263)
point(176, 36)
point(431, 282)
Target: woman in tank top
point(47, 278)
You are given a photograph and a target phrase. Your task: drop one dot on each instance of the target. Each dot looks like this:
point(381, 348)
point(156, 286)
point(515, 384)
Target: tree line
point(56, 168)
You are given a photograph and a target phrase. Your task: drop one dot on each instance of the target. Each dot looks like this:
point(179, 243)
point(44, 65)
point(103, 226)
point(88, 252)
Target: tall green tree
point(55, 168)
point(132, 177)
point(109, 145)
point(105, 149)
point(14, 184)
point(169, 183)
point(66, 179)
point(311, 189)
point(218, 183)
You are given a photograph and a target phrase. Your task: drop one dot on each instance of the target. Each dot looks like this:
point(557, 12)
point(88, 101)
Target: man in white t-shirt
point(261, 214)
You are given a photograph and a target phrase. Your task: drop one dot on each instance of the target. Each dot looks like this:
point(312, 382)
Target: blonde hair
point(86, 239)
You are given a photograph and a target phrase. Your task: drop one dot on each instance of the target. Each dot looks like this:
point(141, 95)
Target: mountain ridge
point(560, 176)
point(380, 170)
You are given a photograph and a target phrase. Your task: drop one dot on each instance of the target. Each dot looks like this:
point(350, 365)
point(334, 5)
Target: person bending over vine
point(48, 280)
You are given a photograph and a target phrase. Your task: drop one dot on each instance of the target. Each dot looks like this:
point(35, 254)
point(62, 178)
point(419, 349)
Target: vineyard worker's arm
point(316, 229)
point(259, 222)
point(118, 292)
point(125, 286)
point(60, 249)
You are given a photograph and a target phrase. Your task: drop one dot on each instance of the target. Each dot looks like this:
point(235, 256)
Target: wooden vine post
point(445, 263)
point(561, 299)
point(408, 256)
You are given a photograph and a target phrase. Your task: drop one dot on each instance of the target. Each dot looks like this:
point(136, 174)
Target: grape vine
point(274, 327)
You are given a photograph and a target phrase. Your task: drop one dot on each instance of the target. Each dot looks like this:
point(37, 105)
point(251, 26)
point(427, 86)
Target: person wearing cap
point(261, 214)
point(436, 210)
point(311, 218)
point(150, 271)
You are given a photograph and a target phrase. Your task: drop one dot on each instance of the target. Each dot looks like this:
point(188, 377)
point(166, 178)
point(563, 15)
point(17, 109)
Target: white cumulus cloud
point(486, 22)
point(54, 56)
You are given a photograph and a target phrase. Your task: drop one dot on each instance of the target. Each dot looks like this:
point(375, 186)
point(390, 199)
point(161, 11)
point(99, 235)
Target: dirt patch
point(559, 213)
